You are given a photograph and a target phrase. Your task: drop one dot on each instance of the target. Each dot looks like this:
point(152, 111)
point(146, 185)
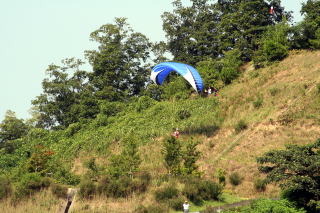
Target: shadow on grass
point(207, 130)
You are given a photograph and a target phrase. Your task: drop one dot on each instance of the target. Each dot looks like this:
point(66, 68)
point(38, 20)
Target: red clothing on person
point(176, 134)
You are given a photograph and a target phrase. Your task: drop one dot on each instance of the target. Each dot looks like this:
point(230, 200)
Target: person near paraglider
point(215, 91)
point(209, 91)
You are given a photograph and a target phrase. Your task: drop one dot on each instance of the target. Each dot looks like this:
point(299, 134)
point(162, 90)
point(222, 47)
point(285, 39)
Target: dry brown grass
point(43, 201)
point(295, 77)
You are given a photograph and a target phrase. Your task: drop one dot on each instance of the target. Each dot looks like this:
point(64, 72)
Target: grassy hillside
point(278, 104)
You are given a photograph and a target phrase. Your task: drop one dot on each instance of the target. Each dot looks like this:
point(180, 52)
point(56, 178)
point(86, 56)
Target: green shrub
point(166, 193)
point(183, 114)
point(72, 129)
point(198, 190)
point(157, 208)
point(5, 187)
point(87, 189)
point(120, 187)
point(240, 126)
point(141, 183)
point(318, 88)
point(30, 183)
point(274, 91)
point(143, 103)
point(176, 203)
point(235, 179)
point(260, 185)
point(111, 108)
point(221, 176)
point(59, 190)
point(258, 102)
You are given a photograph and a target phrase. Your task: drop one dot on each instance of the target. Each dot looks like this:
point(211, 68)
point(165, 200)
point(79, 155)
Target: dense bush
point(260, 185)
point(176, 203)
point(274, 91)
point(183, 114)
point(235, 179)
point(198, 190)
point(166, 193)
point(240, 126)
point(221, 176)
point(59, 190)
point(157, 208)
point(258, 102)
point(144, 102)
point(5, 187)
point(274, 45)
point(87, 189)
point(30, 183)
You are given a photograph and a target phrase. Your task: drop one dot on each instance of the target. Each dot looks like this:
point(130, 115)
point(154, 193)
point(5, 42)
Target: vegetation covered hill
point(263, 110)
point(107, 133)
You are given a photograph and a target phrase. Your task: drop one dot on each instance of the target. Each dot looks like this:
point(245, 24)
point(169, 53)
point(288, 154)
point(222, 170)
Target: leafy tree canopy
point(297, 170)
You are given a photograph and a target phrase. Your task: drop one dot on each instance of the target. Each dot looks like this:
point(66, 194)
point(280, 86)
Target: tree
point(311, 11)
point(11, 128)
point(297, 170)
point(274, 45)
point(190, 157)
point(191, 31)
point(119, 64)
point(243, 22)
point(65, 99)
point(204, 30)
point(172, 155)
point(128, 161)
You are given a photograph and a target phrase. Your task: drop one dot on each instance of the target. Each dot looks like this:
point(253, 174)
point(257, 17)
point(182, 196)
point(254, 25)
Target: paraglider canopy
point(162, 70)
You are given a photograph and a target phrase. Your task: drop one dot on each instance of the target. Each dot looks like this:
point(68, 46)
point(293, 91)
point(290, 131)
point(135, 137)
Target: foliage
point(235, 179)
point(59, 190)
point(172, 153)
point(123, 186)
point(230, 66)
point(11, 128)
point(87, 189)
point(166, 193)
point(183, 114)
point(273, 46)
point(205, 30)
point(175, 88)
point(156, 208)
point(260, 185)
point(197, 190)
point(307, 33)
point(258, 102)
point(240, 126)
point(65, 98)
point(119, 64)
point(143, 103)
point(38, 162)
point(128, 161)
point(270, 206)
point(190, 155)
point(221, 175)
point(296, 169)
point(30, 183)
point(5, 187)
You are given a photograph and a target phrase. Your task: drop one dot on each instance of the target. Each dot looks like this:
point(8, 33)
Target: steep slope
point(281, 106)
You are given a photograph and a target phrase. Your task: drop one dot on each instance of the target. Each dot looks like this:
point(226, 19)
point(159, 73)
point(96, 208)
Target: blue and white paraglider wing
point(162, 70)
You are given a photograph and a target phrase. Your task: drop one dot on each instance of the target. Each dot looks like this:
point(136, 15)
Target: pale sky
point(36, 33)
